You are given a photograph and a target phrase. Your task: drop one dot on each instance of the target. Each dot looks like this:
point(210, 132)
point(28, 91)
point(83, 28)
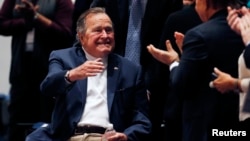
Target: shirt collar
point(91, 58)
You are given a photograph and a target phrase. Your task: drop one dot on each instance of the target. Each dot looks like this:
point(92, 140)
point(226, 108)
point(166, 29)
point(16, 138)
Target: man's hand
point(26, 7)
point(87, 69)
point(117, 137)
point(166, 57)
point(224, 82)
point(245, 25)
point(239, 21)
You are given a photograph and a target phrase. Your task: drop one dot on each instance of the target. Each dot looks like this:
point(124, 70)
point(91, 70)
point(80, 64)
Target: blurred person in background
point(37, 27)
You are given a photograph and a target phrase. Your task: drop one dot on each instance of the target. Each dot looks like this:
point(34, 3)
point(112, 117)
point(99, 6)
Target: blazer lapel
point(113, 74)
point(82, 85)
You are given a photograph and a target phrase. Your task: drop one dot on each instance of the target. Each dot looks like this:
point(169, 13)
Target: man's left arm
point(141, 125)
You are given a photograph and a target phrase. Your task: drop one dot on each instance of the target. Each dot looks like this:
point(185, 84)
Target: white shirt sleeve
point(245, 84)
point(174, 64)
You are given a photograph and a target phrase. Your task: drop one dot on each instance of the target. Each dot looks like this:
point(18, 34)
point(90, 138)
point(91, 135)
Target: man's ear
point(79, 36)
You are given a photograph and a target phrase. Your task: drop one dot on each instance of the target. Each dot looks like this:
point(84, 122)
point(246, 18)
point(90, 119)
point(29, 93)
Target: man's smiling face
point(98, 39)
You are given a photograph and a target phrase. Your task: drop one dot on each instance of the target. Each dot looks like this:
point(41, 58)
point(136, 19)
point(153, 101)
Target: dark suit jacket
point(211, 44)
point(127, 99)
point(180, 21)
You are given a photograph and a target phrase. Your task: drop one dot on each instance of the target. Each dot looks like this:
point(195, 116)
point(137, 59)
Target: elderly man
point(93, 88)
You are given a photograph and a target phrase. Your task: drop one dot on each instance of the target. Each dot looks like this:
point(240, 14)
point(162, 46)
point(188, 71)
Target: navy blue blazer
point(127, 99)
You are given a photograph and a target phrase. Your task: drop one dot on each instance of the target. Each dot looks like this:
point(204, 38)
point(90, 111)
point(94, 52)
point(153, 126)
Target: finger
point(149, 48)
point(179, 40)
point(36, 8)
point(17, 7)
point(154, 52)
point(152, 49)
point(244, 10)
point(232, 15)
point(99, 67)
point(211, 84)
point(179, 34)
point(217, 71)
point(158, 54)
point(168, 46)
point(96, 62)
point(229, 14)
point(229, 8)
point(90, 74)
point(233, 21)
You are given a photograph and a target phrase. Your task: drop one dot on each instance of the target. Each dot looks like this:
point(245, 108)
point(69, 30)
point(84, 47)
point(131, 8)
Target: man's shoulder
point(65, 53)
point(65, 50)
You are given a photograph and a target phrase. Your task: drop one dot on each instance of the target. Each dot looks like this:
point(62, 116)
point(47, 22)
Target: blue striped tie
point(133, 44)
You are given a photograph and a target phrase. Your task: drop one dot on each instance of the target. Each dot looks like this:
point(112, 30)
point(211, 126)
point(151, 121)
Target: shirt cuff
point(245, 84)
point(66, 78)
point(248, 44)
point(174, 64)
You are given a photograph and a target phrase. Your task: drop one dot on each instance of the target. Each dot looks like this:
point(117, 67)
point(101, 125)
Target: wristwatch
point(66, 76)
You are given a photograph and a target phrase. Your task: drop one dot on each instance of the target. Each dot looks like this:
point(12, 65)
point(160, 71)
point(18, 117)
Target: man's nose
point(104, 33)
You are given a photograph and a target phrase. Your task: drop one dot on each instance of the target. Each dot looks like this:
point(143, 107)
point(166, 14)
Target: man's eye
point(98, 30)
point(109, 30)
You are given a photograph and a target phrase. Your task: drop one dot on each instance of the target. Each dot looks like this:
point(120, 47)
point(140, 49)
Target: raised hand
point(87, 69)
point(166, 57)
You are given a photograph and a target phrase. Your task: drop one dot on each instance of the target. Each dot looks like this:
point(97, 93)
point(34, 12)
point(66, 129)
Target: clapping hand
point(166, 57)
point(239, 21)
point(26, 8)
point(224, 82)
